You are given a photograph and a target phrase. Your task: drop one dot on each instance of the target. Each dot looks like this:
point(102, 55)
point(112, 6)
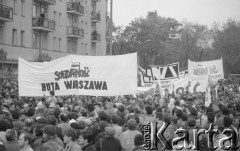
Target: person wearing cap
point(109, 143)
point(127, 137)
point(51, 141)
point(70, 139)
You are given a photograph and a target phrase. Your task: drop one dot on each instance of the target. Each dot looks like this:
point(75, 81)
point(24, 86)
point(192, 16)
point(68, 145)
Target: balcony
point(43, 24)
point(95, 37)
point(6, 13)
point(46, 2)
point(96, 17)
point(96, 0)
point(75, 32)
point(75, 8)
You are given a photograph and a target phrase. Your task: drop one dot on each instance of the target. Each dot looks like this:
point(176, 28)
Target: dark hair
point(52, 120)
point(138, 140)
point(227, 121)
point(184, 117)
point(159, 115)
point(208, 110)
point(30, 112)
point(28, 137)
point(149, 110)
point(11, 135)
point(38, 130)
point(191, 122)
point(210, 117)
point(63, 117)
point(87, 134)
point(194, 112)
point(59, 103)
point(56, 113)
point(225, 110)
point(15, 114)
point(120, 108)
point(5, 124)
point(103, 115)
point(178, 113)
point(115, 119)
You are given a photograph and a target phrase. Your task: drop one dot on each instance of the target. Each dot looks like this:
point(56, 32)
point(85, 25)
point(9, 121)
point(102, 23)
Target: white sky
point(198, 11)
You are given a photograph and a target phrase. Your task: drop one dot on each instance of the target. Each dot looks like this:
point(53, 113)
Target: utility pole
point(111, 25)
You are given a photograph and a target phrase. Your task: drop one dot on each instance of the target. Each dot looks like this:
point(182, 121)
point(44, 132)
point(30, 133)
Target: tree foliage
point(159, 40)
point(227, 45)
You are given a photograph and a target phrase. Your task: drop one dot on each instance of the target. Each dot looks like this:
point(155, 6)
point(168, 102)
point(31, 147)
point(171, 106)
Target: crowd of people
point(87, 123)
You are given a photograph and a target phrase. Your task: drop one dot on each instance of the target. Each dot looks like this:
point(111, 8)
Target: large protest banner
point(200, 73)
point(79, 75)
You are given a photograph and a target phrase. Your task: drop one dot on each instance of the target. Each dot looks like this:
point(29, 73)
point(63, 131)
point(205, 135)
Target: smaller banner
point(203, 73)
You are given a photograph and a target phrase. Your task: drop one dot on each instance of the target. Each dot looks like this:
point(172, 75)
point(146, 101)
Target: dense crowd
point(86, 123)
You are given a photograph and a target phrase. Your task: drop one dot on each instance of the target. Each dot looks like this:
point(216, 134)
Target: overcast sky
point(198, 11)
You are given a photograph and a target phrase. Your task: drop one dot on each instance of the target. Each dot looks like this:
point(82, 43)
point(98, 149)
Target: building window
point(85, 6)
point(82, 48)
point(54, 43)
point(59, 45)
point(1, 34)
point(55, 16)
point(35, 40)
point(14, 37)
point(23, 7)
point(60, 19)
point(85, 49)
point(34, 11)
point(44, 41)
point(22, 37)
point(15, 6)
point(72, 46)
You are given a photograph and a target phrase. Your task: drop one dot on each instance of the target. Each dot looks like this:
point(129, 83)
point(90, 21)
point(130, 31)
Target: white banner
point(200, 73)
point(79, 75)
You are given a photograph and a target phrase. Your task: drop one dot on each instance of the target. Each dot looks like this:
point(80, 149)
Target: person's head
point(132, 124)
point(25, 139)
point(103, 115)
point(149, 110)
point(37, 131)
point(191, 122)
point(227, 122)
point(236, 121)
point(49, 131)
point(70, 135)
point(85, 137)
point(15, 114)
point(210, 117)
point(198, 122)
point(84, 112)
point(11, 135)
point(120, 108)
point(178, 113)
point(115, 119)
point(225, 111)
point(63, 117)
point(109, 132)
point(138, 140)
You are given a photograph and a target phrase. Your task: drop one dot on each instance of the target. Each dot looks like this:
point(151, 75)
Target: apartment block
point(53, 28)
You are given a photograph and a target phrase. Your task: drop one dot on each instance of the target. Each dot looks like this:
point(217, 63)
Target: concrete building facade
point(52, 28)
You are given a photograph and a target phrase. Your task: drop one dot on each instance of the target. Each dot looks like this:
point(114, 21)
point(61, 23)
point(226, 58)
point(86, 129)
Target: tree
point(227, 45)
point(195, 41)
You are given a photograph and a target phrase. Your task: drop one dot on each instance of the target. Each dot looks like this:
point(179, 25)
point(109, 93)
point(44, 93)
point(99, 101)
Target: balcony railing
point(96, 17)
point(41, 23)
point(75, 8)
point(96, 0)
point(6, 13)
point(47, 2)
point(96, 37)
point(75, 32)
